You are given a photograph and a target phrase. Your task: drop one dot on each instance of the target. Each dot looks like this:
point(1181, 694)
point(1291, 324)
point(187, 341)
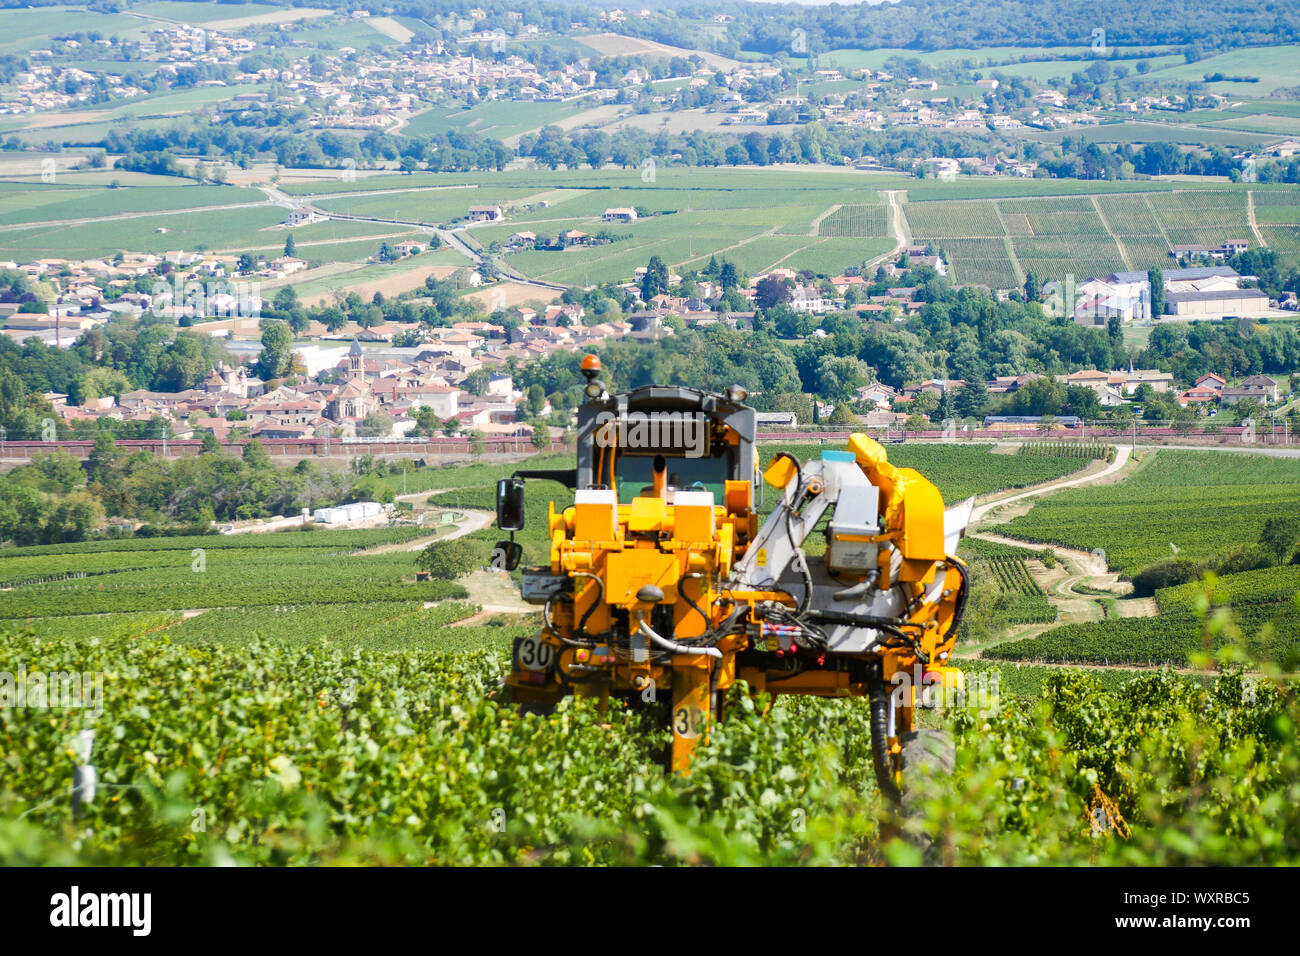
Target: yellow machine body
point(665, 564)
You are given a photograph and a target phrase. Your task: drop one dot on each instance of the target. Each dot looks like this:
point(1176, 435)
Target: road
point(449, 237)
point(896, 228)
point(1121, 458)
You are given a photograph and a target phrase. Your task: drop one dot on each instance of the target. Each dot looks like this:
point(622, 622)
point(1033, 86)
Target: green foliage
point(1021, 600)
point(306, 755)
point(1068, 449)
point(277, 342)
point(448, 560)
point(344, 540)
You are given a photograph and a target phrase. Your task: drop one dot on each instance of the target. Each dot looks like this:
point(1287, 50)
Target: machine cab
point(698, 440)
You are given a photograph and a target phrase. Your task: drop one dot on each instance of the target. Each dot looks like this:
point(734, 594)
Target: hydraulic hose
point(674, 647)
point(880, 740)
point(582, 625)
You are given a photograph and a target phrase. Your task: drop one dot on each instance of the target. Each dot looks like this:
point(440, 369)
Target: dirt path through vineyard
point(1080, 585)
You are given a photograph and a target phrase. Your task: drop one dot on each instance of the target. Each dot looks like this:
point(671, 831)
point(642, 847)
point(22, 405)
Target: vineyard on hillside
point(1265, 586)
point(1023, 601)
point(1056, 237)
point(1269, 631)
point(856, 221)
point(1090, 451)
point(1191, 504)
point(323, 707)
point(300, 755)
point(311, 755)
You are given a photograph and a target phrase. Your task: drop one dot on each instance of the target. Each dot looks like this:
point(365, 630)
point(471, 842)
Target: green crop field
point(1022, 600)
point(51, 203)
point(996, 241)
point(319, 686)
point(196, 12)
point(986, 187)
point(1277, 207)
point(857, 221)
point(199, 230)
point(228, 577)
point(316, 754)
point(1004, 58)
point(1193, 504)
point(1274, 67)
point(22, 30)
point(1269, 633)
point(1137, 133)
point(434, 205)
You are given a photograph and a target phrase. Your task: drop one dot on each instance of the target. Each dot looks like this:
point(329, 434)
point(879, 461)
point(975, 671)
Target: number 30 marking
point(534, 655)
point(688, 722)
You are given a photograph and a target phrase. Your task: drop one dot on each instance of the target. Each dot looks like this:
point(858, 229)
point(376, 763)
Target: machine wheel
point(541, 710)
point(928, 759)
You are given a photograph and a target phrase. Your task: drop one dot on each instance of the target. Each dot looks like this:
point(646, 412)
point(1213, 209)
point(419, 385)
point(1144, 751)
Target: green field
point(1275, 67)
point(995, 241)
point(22, 30)
point(312, 288)
point(1006, 58)
point(1270, 633)
point(1264, 607)
point(301, 753)
point(209, 229)
point(498, 119)
point(298, 679)
point(1193, 504)
point(1155, 132)
point(50, 203)
point(195, 12)
point(958, 471)
point(857, 221)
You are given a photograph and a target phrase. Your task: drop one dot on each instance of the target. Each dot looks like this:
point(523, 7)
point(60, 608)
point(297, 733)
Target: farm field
point(90, 126)
point(1269, 631)
point(1139, 132)
point(224, 228)
point(666, 179)
point(1273, 67)
point(39, 203)
point(389, 278)
point(227, 577)
point(193, 13)
point(23, 29)
point(988, 241)
point(318, 688)
point(1192, 504)
point(342, 747)
point(1006, 58)
point(1023, 601)
point(333, 241)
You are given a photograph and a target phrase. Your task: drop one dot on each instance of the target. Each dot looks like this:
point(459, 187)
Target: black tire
point(541, 710)
point(928, 760)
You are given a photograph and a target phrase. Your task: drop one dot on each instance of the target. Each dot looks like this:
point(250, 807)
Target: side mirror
point(506, 555)
point(510, 504)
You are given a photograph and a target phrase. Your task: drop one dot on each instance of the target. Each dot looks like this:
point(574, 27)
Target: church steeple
point(354, 357)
